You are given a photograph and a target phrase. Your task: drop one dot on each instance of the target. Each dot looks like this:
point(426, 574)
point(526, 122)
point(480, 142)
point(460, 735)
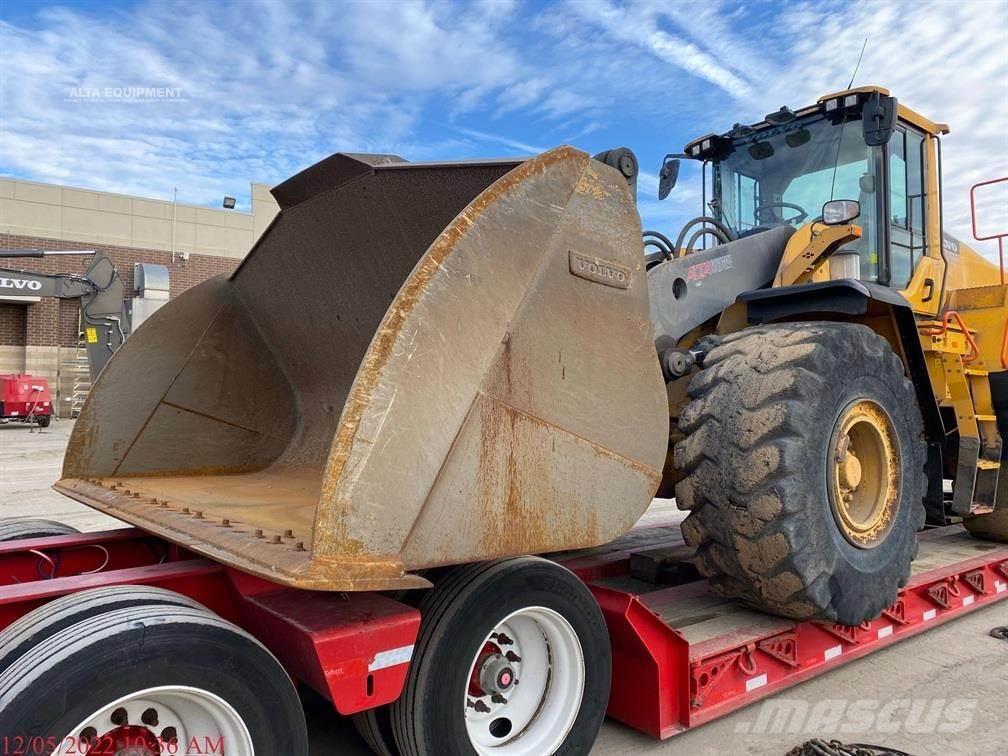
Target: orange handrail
point(974, 349)
point(1004, 347)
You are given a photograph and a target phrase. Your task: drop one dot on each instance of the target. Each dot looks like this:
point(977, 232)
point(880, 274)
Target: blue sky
point(266, 88)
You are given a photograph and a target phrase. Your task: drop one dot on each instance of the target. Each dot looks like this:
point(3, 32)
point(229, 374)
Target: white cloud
point(947, 61)
point(268, 88)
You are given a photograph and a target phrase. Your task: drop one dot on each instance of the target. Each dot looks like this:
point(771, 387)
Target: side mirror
point(878, 118)
point(668, 176)
point(836, 212)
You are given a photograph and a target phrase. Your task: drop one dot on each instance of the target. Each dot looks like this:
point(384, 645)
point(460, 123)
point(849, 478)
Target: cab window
point(906, 203)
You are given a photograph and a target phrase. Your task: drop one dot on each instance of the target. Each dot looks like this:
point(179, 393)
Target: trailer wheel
point(513, 657)
point(47, 620)
point(16, 528)
point(375, 728)
point(139, 679)
point(43, 421)
point(803, 463)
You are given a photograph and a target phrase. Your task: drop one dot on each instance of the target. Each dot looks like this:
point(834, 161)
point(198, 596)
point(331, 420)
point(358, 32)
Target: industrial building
point(40, 335)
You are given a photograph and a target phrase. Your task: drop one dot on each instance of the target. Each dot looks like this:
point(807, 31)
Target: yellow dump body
point(416, 365)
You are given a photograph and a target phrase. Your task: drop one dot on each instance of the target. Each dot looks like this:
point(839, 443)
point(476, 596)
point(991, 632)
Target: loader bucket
point(415, 365)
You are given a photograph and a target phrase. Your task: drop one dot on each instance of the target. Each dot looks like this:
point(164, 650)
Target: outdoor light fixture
point(229, 203)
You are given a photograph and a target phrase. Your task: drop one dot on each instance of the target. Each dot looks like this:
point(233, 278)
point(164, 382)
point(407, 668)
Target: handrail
point(1004, 347)
point(1000, 237)
point(953, 315)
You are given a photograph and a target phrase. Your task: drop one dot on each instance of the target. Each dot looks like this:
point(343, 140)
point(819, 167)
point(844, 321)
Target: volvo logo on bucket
point(598, 270)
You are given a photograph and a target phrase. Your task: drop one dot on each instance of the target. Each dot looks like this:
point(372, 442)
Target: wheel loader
point(430, 364)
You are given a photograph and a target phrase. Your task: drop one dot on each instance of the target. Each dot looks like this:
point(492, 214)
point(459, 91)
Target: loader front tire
point(803, 463)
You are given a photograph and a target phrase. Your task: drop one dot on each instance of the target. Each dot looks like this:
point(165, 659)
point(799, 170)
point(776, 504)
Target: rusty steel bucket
point(416, 365)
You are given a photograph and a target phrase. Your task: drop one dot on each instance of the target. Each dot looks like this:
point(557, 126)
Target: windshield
point(785, 175)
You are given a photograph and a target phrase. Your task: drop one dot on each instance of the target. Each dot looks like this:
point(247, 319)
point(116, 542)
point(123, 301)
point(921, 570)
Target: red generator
point(25, 398)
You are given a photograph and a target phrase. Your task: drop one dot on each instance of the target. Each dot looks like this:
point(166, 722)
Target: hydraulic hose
point(724, 233)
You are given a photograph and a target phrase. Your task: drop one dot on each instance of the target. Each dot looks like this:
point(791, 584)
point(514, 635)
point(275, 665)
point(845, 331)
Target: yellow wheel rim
point(864, 470)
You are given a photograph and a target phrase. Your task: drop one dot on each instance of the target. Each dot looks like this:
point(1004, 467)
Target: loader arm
point(99, 288)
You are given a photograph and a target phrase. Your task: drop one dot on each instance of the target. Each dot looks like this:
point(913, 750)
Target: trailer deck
point(682, 655)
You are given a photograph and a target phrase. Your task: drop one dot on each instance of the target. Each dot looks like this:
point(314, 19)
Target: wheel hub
point(497, 675)
point(525, 685)
point(864, 473)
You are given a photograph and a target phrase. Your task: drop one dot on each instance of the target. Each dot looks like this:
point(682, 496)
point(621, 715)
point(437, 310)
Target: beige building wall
point(28, 208)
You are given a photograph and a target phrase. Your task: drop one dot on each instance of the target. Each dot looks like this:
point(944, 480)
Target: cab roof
point(903, 112)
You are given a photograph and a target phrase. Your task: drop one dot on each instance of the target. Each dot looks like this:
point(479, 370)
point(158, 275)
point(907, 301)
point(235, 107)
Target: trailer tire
point(375, 728)
point(775, 412)
point(43, 421)
point(203, 677)
point(16, 528)
point(47, 620)
point(560, 652)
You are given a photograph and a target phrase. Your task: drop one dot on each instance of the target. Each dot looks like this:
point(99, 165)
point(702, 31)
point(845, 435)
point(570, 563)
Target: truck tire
point(803, 464)
point(17, 528)
point(42, 420)
point(129, 677)
point(512, 657)
point(375, 728)
point(44, 622)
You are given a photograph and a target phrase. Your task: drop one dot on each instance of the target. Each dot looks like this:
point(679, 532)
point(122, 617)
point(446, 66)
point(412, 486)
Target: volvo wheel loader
point(429, 364)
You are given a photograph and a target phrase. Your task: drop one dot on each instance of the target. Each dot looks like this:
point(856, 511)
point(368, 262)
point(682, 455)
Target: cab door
point(916, 267)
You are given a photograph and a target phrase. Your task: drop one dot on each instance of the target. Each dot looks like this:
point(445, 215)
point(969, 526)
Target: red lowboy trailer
point(25, 398)
point(681, 656)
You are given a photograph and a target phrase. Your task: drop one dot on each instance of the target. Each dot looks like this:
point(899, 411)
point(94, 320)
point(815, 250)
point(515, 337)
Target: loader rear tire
point(513, 657)
point(783, 513)
point(993, 526)
point(32, 527)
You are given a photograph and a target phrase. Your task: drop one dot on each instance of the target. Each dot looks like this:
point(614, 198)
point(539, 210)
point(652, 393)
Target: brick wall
point(53, 322)
point(12, 324)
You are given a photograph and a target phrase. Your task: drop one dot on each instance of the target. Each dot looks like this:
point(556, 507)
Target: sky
point(259, 89)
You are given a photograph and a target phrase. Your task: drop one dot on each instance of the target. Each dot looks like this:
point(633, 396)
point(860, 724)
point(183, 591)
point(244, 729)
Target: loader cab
point(782, 170)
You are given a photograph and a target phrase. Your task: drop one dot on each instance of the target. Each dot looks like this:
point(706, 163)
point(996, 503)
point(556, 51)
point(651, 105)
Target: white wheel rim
point(533, 715)
point(190, 714)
